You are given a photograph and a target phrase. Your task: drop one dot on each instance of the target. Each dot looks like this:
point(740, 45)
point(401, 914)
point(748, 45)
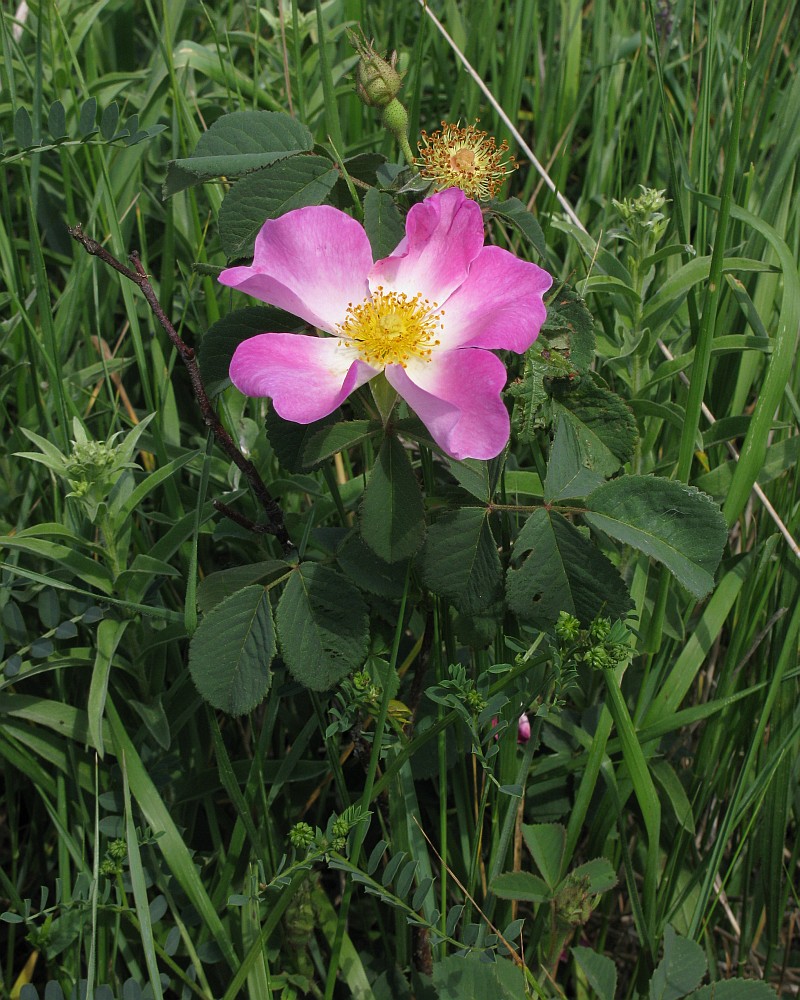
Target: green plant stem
point(360, 831)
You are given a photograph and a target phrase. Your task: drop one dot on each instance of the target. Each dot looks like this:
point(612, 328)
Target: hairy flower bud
point(377, 81)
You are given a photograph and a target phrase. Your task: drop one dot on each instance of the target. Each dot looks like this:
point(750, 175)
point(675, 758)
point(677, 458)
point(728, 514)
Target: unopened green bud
point(377, 80)
point(301, 836)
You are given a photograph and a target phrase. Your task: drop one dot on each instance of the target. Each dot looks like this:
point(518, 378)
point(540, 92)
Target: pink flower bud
point(523, 729)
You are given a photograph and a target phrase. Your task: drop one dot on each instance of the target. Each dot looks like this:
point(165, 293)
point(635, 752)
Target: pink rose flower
point(427, 316)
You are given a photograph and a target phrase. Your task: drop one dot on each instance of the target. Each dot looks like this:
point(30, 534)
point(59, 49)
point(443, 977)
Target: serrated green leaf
point(514, 212)
point(600, 873)
point(569, 329)
point(674, 523)
point(600, 971)
point(567, 475)
point(236, 144)
point(546, 843)
point(323, 626)
point(467, 977)
point(392, 514)
point(223, 337)
point(370, 573)
point(460, 560)
point(57, 120)
point(478, 477)
point(87, 116)
point(108, 121)
point(231, 652)
point(735, 989)
point(564, 572)
point(521, 886)
point(289, 440)
point(23, 128)
point(216, 587)
point(680, 970)
point(604, 426)
point(383, 223)
point(529, 394)
point(269, 193)
point(332, 438)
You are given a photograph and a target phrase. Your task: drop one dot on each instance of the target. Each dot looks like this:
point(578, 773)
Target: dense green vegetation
point(152, 841)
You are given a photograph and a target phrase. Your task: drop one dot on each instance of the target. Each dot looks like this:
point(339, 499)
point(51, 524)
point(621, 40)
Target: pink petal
point(457, 395)
point(444, 234)
point(312, 262)
point(306, 377)
point(499, 305)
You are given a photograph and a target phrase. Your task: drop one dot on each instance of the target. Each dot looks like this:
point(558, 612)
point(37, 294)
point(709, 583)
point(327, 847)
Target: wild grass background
point(609, 96)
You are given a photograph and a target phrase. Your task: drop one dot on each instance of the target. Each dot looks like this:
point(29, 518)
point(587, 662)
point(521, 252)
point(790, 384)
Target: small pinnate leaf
point(23, 128)
point(57, 120)
point(392, 515)
point(674, 523)
point(108, 121)
point(323, 626)
point(231, 652)
point(86, 119)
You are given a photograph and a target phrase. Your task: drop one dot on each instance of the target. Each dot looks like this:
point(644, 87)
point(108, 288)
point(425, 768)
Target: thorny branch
point(139, 277)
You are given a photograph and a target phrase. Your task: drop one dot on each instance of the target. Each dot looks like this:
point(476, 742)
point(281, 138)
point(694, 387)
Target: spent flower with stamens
point(466, 158)
point(426, 319)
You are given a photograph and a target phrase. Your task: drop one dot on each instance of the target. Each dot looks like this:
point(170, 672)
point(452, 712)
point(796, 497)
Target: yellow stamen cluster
point(467, 158)
point(390, 328)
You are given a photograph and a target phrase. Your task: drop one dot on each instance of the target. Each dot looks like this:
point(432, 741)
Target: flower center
point(463, 159)
point(390, 328)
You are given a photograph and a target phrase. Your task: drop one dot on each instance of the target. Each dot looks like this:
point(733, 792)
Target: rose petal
point(312, 262)
point(499, 304)
point(306, 377)
point(457, 395)
point(444, 234)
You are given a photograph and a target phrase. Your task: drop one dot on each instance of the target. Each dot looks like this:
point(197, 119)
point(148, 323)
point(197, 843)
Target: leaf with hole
point(562, 571)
